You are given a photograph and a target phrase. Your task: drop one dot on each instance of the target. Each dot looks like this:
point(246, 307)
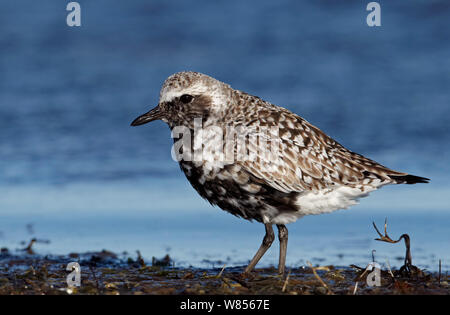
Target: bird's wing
point(307, 159)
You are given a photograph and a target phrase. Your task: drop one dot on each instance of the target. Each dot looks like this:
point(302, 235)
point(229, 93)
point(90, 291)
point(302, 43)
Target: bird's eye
point(186, 98)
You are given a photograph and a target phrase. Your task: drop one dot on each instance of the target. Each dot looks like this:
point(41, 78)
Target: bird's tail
point(408, 179)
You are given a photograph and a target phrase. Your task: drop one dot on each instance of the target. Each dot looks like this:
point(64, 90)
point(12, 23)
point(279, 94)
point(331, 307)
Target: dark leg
point(283, 237)
point(267, 241)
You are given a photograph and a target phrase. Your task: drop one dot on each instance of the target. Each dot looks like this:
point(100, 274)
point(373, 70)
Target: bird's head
point(188, 95)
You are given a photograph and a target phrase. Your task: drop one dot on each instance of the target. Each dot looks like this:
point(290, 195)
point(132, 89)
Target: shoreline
point(103, 273)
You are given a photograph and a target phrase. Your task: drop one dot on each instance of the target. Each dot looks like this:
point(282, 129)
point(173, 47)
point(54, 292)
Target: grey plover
point(310, 174)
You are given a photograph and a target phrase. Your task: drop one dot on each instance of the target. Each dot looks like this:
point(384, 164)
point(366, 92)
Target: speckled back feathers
point(309, 164)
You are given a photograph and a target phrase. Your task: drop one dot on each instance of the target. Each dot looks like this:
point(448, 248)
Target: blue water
point(71, 166)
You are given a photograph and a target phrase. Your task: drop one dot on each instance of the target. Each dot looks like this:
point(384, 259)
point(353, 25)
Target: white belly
point(324, 201)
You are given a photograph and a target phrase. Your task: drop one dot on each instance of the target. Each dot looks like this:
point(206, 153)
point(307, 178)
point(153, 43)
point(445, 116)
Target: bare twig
point(318, 278)
point(286, 281)
point(356, 288)
point(221, 271)
point(360, 277)
point(439, 277)
point(388, 239)
point(389, 268)
point(357, 267)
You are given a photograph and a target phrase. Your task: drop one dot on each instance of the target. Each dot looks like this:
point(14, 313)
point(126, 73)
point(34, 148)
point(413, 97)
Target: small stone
point(320, 290)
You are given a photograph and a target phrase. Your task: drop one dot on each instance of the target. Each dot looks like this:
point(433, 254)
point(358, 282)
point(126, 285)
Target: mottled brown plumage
point(310, 173)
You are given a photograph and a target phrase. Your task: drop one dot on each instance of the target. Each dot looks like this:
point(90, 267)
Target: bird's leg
point(283, 237)
point(267, 241)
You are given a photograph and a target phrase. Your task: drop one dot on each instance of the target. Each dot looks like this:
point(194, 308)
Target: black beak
point(154, 114)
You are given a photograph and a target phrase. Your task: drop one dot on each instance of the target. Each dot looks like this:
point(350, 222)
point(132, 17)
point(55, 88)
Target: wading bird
point(310, 174)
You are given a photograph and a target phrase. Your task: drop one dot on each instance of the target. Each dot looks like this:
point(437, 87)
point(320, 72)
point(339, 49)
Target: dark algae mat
point(106, 273)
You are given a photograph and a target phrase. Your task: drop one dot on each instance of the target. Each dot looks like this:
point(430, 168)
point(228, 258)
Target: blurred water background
point(75, 173)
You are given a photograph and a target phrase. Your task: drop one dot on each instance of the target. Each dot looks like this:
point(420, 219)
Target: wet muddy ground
point(108, 273)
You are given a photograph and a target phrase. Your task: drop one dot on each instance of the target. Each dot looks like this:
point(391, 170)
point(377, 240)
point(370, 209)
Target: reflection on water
point(71, 165)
